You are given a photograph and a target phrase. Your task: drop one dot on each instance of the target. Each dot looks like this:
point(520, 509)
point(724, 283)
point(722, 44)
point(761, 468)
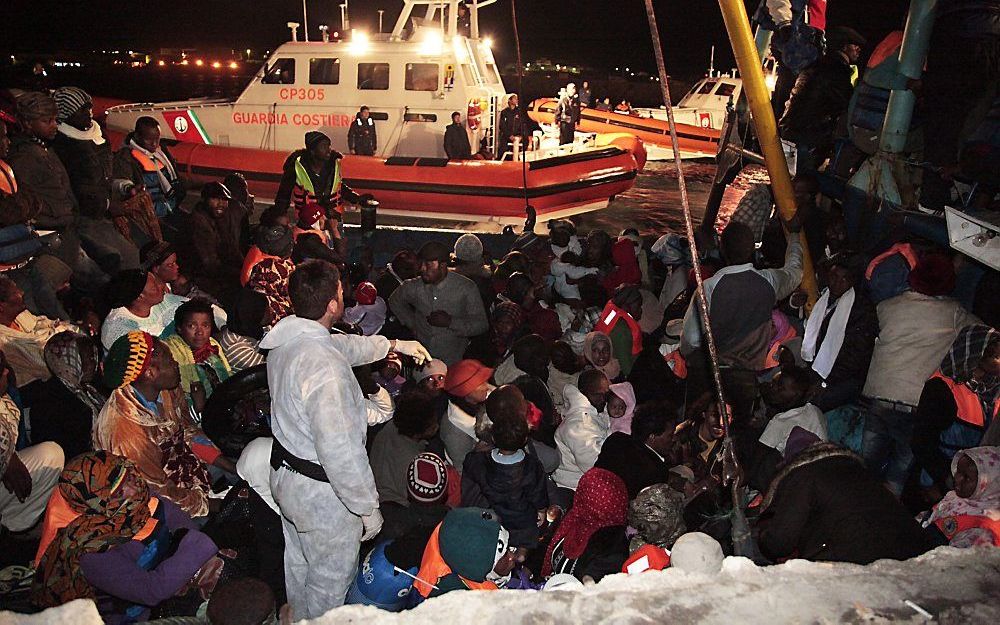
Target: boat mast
point(305, 21)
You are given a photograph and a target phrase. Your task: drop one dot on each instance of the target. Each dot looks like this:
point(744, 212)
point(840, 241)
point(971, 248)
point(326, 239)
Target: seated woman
point(137, 303)
point(63, 407)
point(202, 364)
point(951, 415)
point(969, 516)
point(106, 538)
point(147, 421)
point(591, 540)
point(598, 352)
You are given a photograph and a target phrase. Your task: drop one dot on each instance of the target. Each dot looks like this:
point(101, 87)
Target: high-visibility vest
point(8, 183)
point(305, 192)
point(950, 526)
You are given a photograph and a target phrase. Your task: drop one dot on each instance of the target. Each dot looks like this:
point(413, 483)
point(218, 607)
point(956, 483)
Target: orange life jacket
point(952, 525)
point(903, 249)
point(8, 184)
point(610, 317)
point(970, 408)
point(145, 162)
point(433, 568)
point(771, 360)
point(253, 257)
point(58, 515)
point(680, 368)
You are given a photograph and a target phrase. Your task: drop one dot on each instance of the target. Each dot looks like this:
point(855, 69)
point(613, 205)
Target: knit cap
point(427, 479)
point(127, 359)
point(431, 367)
point(472, 541)
point(33, 105)
point(69, 100)
point(469, 248)
point(314, 137)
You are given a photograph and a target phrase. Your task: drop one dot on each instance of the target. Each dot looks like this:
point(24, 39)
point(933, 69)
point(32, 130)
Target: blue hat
point(378, 583)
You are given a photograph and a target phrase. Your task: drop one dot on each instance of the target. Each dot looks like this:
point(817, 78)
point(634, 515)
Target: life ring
point(239, 411)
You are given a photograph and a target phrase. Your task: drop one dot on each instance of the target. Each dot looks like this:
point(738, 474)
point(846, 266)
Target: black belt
point(282, 457)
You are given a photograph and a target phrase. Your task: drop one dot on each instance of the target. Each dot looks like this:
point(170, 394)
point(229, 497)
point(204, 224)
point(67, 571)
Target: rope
point(520, 92)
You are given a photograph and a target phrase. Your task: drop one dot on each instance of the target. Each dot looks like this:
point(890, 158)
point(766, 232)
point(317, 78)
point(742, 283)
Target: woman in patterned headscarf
point(591, 539)
point(959, 402)
point(63, 407)
point(106, 538)
point(969, 515)
point(269, 277)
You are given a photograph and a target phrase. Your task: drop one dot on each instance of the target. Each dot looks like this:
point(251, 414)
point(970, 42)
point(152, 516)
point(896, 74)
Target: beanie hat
point(431, 367)
point(696, 552)
point(427, 479)
point(465, 376)
point(69, 100)
point(126, 287)
point(657, 512)
point(934, 275)
point(472, 541)
point(314, 137)
point(365, 294)
point(434, 250)
point(309, 213)
point(215, 190)
point(275, 241)
point(469, 248)
point(127, 359)
point(33, 105)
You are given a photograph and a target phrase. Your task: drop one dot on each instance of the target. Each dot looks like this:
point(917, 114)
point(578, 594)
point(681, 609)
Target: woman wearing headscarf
point(969, 515)
point(243, 332)
point(106, 538)
point(597, 349)
point(64, 406)
point(591, 539)
point(269, 277)
point(199, 356)
point(958, 402)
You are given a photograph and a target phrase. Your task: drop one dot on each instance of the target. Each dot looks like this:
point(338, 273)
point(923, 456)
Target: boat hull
point(470, 191)
point(694, 142)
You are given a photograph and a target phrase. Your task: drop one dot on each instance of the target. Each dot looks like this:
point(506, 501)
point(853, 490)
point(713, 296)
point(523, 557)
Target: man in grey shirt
point(442, 308)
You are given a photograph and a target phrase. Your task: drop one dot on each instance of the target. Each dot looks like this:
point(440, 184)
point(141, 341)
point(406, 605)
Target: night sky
point(598, 33)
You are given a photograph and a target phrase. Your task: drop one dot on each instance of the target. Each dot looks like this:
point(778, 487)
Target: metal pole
point(688, 222)
point(748, 61)
point(305, 21)
point(380, 12)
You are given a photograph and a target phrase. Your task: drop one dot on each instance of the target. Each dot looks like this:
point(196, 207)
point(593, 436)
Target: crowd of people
point(465, 417)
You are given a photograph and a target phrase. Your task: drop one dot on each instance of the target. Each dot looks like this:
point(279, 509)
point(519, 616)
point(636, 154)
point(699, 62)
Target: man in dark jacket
point(456, 140)
point(825, 505)
point(209, 254)
point(148, 163)
point(838, 343)
point(361, 138)
point(87, 156)
point(820, 96)
point(567, 114)
point(511, 125)
point(639, 458)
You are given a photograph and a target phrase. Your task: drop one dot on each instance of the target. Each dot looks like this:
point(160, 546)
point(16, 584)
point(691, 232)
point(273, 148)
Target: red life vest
point(969, 407)
point(610, 317)
point(147, 164)
point(950, 526)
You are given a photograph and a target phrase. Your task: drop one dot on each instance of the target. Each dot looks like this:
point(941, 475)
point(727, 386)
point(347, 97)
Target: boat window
point(725, 89)
point(373, 76)
point(324, 71)
point(470, 79)
point(422, 76)
point(492, 76)
point(419, 117)
point(281, 72)
point(706, 88)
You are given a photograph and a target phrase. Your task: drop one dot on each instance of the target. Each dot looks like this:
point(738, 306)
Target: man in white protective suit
point(320, 476)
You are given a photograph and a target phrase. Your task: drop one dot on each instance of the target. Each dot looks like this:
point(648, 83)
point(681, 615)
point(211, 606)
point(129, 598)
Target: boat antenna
point(345, 19)
point(520, 83)
point(305, 22)
point(711, 62)
point(731, 468)
point(380, 12)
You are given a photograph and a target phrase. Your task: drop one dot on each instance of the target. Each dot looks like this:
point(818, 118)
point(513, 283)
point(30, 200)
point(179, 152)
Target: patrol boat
point(412, 79)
